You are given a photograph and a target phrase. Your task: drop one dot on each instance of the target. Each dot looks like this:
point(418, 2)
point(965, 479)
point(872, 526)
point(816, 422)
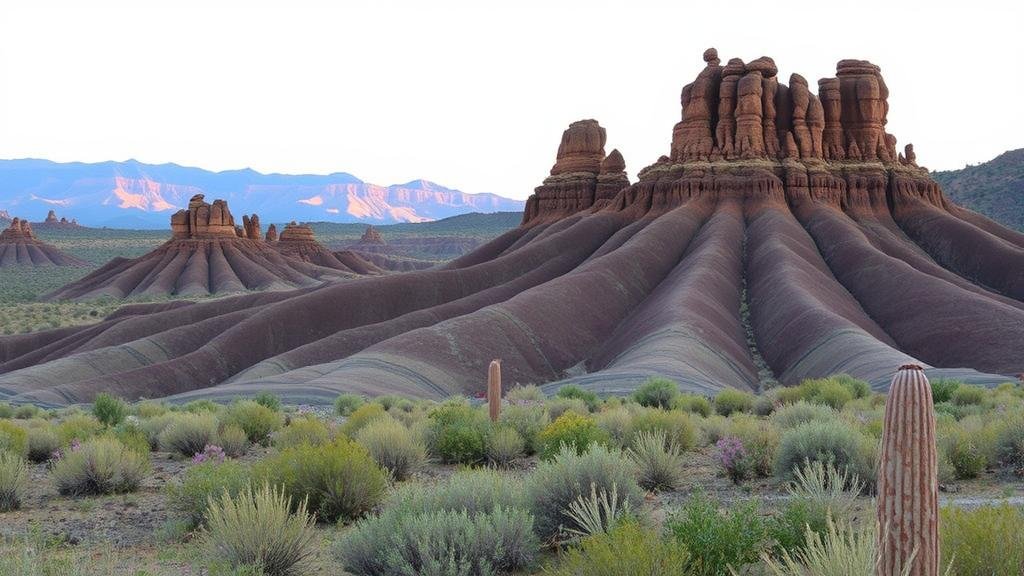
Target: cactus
point(494, 389)
point(908, 488)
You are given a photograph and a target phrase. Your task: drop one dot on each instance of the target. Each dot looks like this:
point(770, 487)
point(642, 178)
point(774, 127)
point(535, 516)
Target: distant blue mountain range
point(135, 195)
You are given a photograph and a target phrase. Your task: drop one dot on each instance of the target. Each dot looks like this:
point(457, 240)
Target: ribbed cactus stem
point(494, 389)
point(908, 487)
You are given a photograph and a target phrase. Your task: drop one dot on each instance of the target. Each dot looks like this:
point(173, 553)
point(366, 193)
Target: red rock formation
point(297, 241)
point(202, 220)
point(51, 217)
point(271, 233)
point(864, 108)
point(20, 247)
point(251, 227)
point(371, 236)
point(574, 181)
point(581, 149)
point(693, 137)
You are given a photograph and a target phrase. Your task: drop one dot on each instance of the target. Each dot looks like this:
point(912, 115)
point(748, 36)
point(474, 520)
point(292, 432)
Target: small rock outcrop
point(53, 222)
point(202, 220)
point(251, 227)
point(297, 241)
point(371, 236)
point(271, 233)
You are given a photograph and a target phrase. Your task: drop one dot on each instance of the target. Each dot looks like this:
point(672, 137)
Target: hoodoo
point(20, 247)
point(206, 255)
point(782, 235)
point(297, 241)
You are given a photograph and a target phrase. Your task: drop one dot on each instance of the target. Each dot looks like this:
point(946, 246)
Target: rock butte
point(782, 235)
point(207, 254)
point(20, 247)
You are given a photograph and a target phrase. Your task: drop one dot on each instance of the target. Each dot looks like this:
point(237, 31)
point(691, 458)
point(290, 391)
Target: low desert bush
point(473, 523)
point(819, 494)
point(43, 443)
point(527, 420)
point(200, 406)
point(268, 400)
point(556, 406)
point(258, 421)
point(187, 434)
point(942, 389)
point(964, 454)
point(982, 541)
point(457, 433)
point(360, 417)
point(394, 447)
point(189, 497)
point(1010, 444)
point(346, 404)
point(13, 481)
point(301, 431)
point(732, 400)
point(572, 430)
point(967, 395)
point(557, 483)
point(659, 463)
point(525, 394)
point(504, 447)
point(618, 424)
point(760, 440)
point(259, 529)
point(677, 426)
point(574, 391)
point(657, 393)
point(339, 480)
point(233, 440)
point(79, 427)
point(802, 412)
point(627, 550)
point(840, 549)
point(834, 391)
point(132, 436)
point(109, 410)
point(99, 466)
point(149, 409)
point(719, 540)
point(13, 438)
point(6, 410)
point(445, 542)
point(834, 443)
point(693, 403)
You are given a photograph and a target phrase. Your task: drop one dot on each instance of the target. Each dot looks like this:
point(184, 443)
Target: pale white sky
point(473, 95)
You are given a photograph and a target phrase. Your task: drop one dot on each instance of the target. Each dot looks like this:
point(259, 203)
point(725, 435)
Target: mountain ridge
point(144, 195)
point(994, 188)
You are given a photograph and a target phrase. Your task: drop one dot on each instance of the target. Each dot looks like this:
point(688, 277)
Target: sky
point(472, 95)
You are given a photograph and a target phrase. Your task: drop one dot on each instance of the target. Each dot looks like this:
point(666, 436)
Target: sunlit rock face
point(20, 247)
point(781, 237)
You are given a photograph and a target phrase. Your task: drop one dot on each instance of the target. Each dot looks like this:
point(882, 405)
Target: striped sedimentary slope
point(209, 255)
point(783, 237)
point(20, 247)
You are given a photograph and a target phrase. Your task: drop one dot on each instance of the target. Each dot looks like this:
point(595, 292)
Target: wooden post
point(908, 486)
point(494, 389)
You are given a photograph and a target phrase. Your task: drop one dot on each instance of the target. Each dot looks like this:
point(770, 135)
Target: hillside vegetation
point(994, 188)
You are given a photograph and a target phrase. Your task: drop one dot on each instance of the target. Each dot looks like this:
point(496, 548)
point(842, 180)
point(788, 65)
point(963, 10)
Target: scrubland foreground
point(657, 483)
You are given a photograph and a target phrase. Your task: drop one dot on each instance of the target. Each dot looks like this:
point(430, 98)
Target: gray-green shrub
point(13, 481)
point(109, 410)
point(505, 446)
point(833, 442)
point(346, 404)
point(99, 466)
point(732, 400)
point(394, 447)
point(718, 539)
point(556, 484)
point(656, 393)
point(340, 479)
point(189, 496)
point(257, 528)
point(187, 434)
point(659, 463)
point(258, 421)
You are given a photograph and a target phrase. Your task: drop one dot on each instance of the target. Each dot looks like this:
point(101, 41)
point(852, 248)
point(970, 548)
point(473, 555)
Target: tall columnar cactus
point(908, 487)
point(494, 389)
